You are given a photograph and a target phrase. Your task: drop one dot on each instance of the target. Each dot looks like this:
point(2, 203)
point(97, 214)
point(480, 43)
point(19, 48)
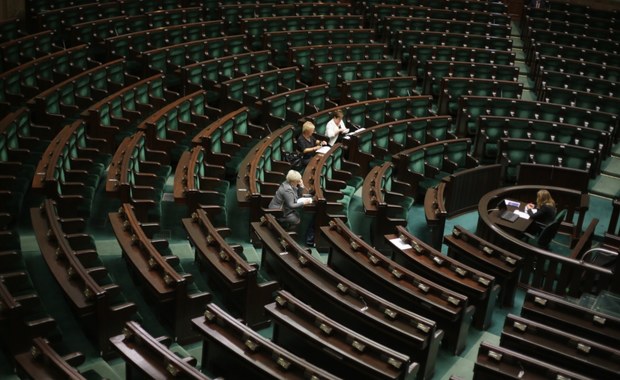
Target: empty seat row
point(403, 39)
point(420, 54)
point(452, 88)
point(170, 58)
point(118, 114)
point(577, 40)
point(435, 71)
point(424, 165)
point(305, 57)
point(456, 194)
point(201, 185)
point(571, 52)
point(63, 102)
point(358, 90)
point(29, 79)
point(176, 297)
point(228, 270)
point(448, 11)
point(280, 41)
point(256, 28)
point(228, 139)
point(234, 13)
point(250, 89)
point(23, 315)
point(138, 173)
point(210, 73)
point(147, 355)
point(334, 73)
point(480, 288)
point(358, 261)
point(389, 25)
point(23, 49)
point(226, 340)
point(470, 107)
point(376, 145)
point(173, 127)
point(72, 258)
point(387, 201)
point(574, 13)
point(346, 302)
point(490, 129)
point(582, 99)
point(131, 44)
point(71, 168)
point(576, 82)
point(291, 105)
point(594, 29)
point(513, 151)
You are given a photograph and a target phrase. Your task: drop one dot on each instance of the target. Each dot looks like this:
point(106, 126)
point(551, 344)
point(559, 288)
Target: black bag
point(293, 158)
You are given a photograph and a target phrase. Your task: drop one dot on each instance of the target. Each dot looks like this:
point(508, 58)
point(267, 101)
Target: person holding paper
point(543, 212)
point(289, 198)
point(335, 127)
point(307, 143)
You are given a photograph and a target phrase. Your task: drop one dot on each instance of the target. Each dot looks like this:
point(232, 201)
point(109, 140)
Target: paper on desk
point(522, 214)
point(399, 244)
point(304, 200)
point(324, 149)
point(355, 132)
point(508, 202)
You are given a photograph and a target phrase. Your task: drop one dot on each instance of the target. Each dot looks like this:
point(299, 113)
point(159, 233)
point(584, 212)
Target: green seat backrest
point(398, 133)
point(277, 106)
point(434, 155)
point(458, 153)
point(375, 111)
point(356, 115)
point(416, 161)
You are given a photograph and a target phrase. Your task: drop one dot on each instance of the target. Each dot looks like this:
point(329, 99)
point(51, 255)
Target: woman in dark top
point(307, 143)
point(543, 212)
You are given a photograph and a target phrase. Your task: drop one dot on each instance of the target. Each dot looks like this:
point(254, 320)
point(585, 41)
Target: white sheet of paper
point(522, 214)
point(355, 131)
point(399, 244)
point(324, 149)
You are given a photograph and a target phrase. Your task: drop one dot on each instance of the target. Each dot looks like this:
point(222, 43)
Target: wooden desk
point(544, 269)
point(516, 228)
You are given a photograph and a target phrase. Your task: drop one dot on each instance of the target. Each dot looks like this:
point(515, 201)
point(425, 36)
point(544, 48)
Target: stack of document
point(522, 214)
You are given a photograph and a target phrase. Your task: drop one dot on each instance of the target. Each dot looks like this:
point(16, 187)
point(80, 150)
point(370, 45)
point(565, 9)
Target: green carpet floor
point(611, 167)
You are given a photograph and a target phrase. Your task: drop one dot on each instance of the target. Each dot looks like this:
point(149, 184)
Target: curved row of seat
point(224, 137)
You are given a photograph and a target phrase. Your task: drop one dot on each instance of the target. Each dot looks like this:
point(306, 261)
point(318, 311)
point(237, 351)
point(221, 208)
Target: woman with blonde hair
point(307, 143)
point(543, 212)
